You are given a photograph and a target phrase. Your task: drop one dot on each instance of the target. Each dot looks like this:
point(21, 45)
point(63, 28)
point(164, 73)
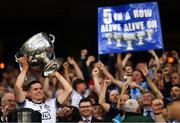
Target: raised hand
point(100, 65)
point(90, 59)
point(129, 55)
point(65, 111)
point(71, 60)
point(144, 69)
point(95, 71)
point(108, 81)
point(24, 63)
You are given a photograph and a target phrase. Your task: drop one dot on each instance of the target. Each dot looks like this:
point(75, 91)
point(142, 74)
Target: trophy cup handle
point(52, 38)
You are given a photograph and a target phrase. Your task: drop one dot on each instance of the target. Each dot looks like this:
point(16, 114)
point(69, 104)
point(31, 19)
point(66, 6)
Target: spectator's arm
point(76, 67)
point(102, 101)
point(84, 67)
point(153, 53)
point(120, 71)
point(66, 86)
point(90, 59)
point(108, 75)
point(125, 60)
point(111, 64)
point(66, 73)
point(126, 85)
point(144, 69)
point(95, 74)
point(20, 97)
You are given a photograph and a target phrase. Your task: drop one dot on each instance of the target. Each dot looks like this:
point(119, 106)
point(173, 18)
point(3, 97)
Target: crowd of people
point(87, 90)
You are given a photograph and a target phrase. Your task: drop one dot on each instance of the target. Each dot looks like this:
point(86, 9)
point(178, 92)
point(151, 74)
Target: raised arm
point(144, 69)
point(66, 86)
point(100, 65)
point(95, 74)
point(76, 67)
point(120, 71)
point(20, 97)
point(153, 53)
point(66, 73)
point(84, 68)
point(102, 101)
point(46, 87)
point(125, 60)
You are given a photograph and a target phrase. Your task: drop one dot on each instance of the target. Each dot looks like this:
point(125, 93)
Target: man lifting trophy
point(39, 50)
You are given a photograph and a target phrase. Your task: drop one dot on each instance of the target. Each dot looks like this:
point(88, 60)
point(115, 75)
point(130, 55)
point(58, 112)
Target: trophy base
point(52, 66)
point(140, 42)
point(118, 44)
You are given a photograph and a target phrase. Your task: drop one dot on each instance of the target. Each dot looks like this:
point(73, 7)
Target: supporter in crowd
point(8, 104)
point(132, 114)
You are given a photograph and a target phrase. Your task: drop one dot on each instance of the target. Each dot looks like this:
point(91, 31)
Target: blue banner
point(130, 27)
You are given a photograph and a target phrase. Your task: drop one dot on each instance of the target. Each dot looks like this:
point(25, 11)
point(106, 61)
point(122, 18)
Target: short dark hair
point(29, 85)
point(77, 82)
point(85, 100)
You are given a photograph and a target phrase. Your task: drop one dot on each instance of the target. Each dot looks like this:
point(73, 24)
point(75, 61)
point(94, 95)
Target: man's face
point(137, 77)
point(147, 99)
point(81, 87)
point(175, 93)
point(97, 111)
point(173, 111)
point(175, 79)
point(9, 101)
point(113, 96)
point(36, 92)
point(122, 100)
point(86, 109)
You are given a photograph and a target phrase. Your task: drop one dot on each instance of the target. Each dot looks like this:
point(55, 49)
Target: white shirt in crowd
point(76, 97)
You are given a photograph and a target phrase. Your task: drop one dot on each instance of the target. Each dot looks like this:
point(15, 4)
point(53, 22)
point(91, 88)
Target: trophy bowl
point(129, 38)
point(118, 38)
point(39, 50)
point(150, 33)
point(140, 36)
point(109, 37)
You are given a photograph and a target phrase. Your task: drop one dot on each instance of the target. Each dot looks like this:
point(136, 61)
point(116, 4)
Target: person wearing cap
point(132, 114)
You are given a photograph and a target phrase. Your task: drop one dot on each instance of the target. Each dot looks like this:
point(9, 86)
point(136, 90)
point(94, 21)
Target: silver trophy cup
point(140, 36)
point(109, 37)
point(150, 33)
point(129, 38)
point(39, 50)
point(118, 38)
